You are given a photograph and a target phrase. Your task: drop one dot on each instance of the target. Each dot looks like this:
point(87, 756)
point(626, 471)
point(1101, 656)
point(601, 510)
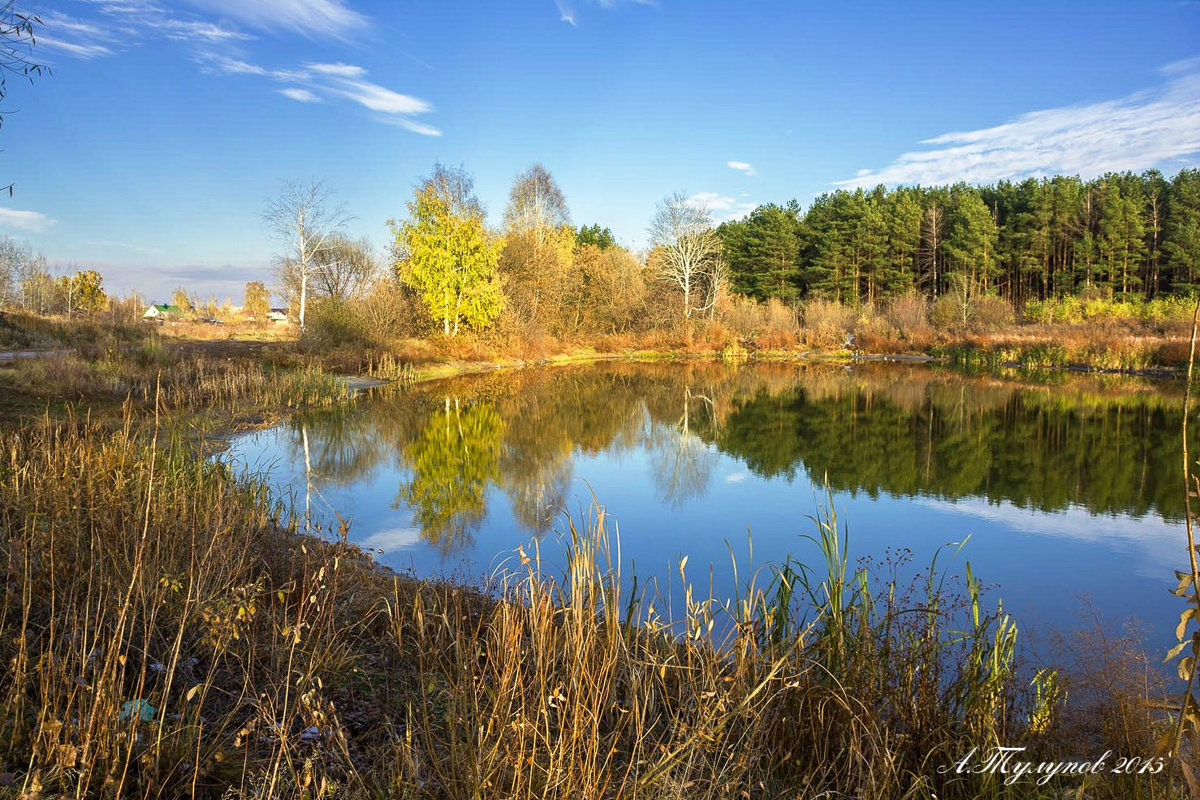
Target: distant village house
point(159, 312)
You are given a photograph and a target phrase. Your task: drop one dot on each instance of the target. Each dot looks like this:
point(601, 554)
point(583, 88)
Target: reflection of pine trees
point(1034, 447)
point(904, 431)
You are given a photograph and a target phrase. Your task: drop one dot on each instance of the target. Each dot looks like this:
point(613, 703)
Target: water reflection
point(1082, 471)
point(1107, 447)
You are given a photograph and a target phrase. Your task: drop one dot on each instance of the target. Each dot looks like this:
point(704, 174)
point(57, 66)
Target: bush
point(956, 309)
point(781, 318)
point(951, 310)
point(334, 322)
point(989, 312)
point(744, 316)
point(828, 322)
point(908, 313)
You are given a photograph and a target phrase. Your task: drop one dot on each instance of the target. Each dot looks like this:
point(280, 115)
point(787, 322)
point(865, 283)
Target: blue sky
point(152, 149)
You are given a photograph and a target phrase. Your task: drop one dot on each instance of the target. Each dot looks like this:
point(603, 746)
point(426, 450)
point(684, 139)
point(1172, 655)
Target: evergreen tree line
point(1123, 235)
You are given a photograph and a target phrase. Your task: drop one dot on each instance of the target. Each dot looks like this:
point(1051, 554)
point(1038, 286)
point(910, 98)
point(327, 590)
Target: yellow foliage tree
point(446, 255)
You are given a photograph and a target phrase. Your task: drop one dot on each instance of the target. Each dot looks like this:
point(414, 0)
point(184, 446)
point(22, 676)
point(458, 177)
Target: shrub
point(827, 322)
point(908, 312)
point(744, 316)
point(957, 309)
point(988, 312)
point(336, 322)
point(951, 310)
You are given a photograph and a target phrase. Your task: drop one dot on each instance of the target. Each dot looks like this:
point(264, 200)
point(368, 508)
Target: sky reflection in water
point(1067, 490)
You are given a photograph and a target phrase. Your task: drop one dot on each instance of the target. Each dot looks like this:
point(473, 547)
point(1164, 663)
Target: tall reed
point(165, 631)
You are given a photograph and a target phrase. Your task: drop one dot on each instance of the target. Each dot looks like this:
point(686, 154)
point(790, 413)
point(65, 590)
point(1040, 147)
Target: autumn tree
point(302, 219)
point(444, 252)
point(537, 259)
point(182, 300)
point(257, 300)
point(18, 265)
point(612, 291)
point(83, 291)
point(535, 203)
point(688, 251)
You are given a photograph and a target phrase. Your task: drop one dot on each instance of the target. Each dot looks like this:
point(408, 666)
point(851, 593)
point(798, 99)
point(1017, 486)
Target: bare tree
point(928, 253)
point(301, 218)
point(535, 203)
point(344, 267)
point(689, 252)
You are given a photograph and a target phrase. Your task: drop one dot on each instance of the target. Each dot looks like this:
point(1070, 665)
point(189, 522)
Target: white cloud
point(214, 63)
point(339, 70)
point(300, 95)
point(742, 166)
point(1150, 539)
point(1181, 66)
point(1138, 131)
point(31, 221)
point(81, 50)
point(722, 207)
point(333, 81)
point(410, 125)
point(378, 98)
point(308, 17)
point(123, 24)
point(197, 31)
point(568, 10)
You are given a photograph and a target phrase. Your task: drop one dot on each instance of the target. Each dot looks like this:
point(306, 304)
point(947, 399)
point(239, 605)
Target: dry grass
point(163, 635)
point(167, 632)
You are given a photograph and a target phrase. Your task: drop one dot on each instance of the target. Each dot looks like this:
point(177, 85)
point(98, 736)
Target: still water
point(1068, 489)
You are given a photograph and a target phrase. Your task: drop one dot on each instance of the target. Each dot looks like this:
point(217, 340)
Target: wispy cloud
point(31, 221)
point(81, 50)
point(347, 80)
point(114, 25)
point(1138, 131)
point(329, 81)
point(568, 10)
point(300, 95)
point(313, 18)
point(115, 245)
point(722, 207)
point(118, 24)
point(742, 167)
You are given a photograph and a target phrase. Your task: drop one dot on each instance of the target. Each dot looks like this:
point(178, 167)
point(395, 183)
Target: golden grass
point(167, 631)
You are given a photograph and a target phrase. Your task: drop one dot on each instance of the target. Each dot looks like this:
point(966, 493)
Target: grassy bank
point(167, 632)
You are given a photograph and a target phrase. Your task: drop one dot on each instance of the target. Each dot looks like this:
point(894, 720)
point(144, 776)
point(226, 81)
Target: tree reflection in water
point(1109, 445)
point(453, 461)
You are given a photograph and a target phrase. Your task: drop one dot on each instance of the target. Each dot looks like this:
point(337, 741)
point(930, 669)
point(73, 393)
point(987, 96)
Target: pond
point(1068, 488)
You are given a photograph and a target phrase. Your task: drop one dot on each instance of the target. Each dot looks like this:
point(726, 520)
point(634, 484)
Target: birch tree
point(689, 251)
point(303, 221)
point(445, 252)
point(536, 204)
